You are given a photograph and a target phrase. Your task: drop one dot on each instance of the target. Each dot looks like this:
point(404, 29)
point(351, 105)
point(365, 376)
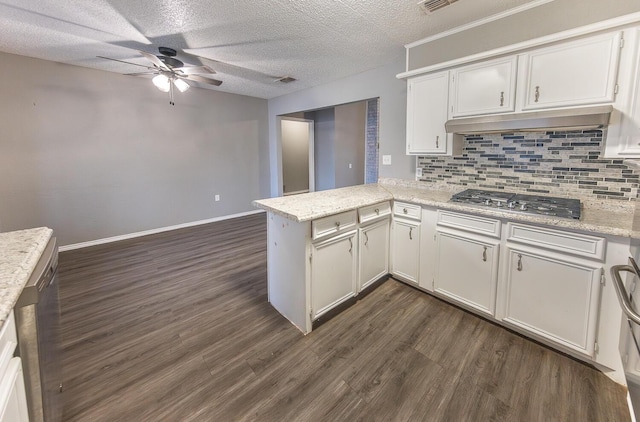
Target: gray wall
point(95, 154)
point(380, 82)
point(350, 143)
point(295, 156)
point(324, 141)
point(556, 16)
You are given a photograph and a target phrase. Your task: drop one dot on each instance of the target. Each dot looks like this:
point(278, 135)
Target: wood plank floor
point(176, 327)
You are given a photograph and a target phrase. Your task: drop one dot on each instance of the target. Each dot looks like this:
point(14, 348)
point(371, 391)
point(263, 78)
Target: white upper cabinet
point(427, 102)
point(623, 137)
point(572, 73)
point(484, 88)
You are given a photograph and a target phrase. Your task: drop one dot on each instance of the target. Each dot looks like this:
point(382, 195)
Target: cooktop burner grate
point(521, 203)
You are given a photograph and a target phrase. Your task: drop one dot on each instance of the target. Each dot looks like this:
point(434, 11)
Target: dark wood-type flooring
point(176, 327)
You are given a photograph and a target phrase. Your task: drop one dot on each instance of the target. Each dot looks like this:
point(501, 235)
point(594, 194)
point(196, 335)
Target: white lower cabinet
point(333, 272)
point(552, 297)
point(13, 399)
point(405, 247)
point(374, 253)
point(467, 270)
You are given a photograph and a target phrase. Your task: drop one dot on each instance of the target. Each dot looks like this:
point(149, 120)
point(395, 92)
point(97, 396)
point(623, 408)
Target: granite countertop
point(600, 217)
point(19, 254)
point(309, 206)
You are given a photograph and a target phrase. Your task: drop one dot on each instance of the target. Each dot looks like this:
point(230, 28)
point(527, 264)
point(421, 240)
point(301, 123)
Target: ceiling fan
point(170, 72)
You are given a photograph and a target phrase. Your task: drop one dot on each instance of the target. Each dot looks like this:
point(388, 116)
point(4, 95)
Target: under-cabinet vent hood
point(565, 119)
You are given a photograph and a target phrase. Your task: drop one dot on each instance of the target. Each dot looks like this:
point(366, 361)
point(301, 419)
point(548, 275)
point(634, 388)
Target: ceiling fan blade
point(141, 73)
point(154, 59)
point(122, 61)
point(203, 80)
point(190, 70)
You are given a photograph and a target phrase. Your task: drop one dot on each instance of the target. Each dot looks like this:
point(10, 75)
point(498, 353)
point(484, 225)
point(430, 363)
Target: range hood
point(564, 119)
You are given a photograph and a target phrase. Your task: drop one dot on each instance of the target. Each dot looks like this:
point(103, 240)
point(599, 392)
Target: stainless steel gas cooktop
point(521, 203)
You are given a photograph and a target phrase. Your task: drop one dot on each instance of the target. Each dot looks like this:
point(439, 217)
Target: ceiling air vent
point(431, 6)
point(286, 79)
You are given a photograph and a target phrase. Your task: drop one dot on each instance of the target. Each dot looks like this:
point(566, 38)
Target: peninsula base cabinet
point(374, 253)
point(553, 298)
point(333, 272)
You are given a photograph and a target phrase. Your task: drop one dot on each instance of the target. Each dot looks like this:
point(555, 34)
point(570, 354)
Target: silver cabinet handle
point(366, 238)
point(350, 245)
point(377, 211)
point(405, 211)
point(484, 254)
point(437, 141)
point(537, 96)
point(519, 262)
point(338, 225)
point(501, 98)
point(410, 233)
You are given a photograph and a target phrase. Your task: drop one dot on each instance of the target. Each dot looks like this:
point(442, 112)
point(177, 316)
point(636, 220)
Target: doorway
point(344, 150)
point(298, 175)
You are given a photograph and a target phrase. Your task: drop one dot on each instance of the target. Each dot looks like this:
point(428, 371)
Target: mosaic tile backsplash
point(566, 163)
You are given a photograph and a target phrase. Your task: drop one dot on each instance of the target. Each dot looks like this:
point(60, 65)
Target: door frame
point(312, 172)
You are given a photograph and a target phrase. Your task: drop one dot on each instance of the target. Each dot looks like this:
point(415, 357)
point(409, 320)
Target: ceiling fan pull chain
point(171, 94)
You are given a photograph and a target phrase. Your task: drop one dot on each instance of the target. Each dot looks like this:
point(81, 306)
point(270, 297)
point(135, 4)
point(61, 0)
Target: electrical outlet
point(217, 198)
point(386, 160)
point(418, 172)
point(350, 165)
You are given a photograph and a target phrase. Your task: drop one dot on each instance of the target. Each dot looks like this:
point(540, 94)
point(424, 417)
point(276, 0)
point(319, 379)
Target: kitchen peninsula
point(542, 276)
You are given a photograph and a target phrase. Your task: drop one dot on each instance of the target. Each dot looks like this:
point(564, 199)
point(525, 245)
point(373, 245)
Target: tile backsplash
point(561, 163)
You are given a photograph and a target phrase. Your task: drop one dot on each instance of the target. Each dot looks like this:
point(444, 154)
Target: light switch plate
point(386, 160)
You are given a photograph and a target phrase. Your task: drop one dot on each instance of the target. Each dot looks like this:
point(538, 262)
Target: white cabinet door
point(467, 270)
point(552, 298)
point(573, 73)
point(484, 88)
point(405, 249)
point(427, 102)
point(374, 253)
point(333, 272)
point(13, 400)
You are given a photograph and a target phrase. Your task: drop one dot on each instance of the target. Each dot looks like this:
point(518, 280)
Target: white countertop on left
point(19, 253)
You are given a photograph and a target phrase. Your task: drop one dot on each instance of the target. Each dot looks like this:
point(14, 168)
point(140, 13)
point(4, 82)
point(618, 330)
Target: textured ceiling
point(248, 43)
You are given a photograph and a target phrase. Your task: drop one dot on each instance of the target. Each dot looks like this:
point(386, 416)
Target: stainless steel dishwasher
point(37, 315)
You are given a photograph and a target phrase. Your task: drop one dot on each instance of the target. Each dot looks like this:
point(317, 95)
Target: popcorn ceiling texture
point(566, 163)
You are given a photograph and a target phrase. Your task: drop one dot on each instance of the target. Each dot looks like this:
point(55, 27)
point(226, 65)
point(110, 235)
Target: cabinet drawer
point(333, 224)
point(469, 223)
point(373, 212)
point(572, 243)
point(406, 210)
point(8, 342)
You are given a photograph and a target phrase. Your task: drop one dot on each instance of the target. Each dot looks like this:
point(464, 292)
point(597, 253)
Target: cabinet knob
point(519, 262)
point(405, 211)
point(337, 224)
point(377, 211)
point(484, 254)
point(501, 98)
point(537, 95)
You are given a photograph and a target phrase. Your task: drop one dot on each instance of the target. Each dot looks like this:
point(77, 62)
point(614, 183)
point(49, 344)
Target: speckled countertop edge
point(19, 254)
point(602, 217)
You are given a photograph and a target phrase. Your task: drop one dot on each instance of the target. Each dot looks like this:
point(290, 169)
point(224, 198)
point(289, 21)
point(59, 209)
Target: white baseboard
point(80, 245)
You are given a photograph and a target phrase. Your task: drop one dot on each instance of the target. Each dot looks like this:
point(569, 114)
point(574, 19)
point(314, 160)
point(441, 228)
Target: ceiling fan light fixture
point(180, 84)
point(161, 82)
